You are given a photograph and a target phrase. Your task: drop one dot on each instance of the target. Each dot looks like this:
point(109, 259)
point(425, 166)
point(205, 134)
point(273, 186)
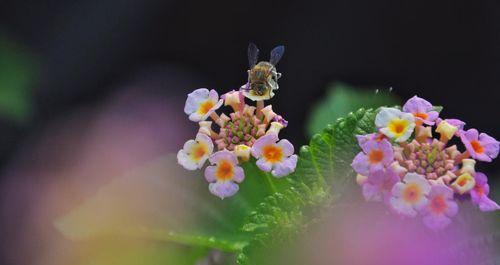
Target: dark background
point(445, 51)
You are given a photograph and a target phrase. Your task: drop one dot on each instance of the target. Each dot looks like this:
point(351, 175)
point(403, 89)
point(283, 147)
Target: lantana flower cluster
point(410, 164)
point(226, 141)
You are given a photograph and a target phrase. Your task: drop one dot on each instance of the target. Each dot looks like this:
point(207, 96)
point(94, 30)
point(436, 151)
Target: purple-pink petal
point(210, 173)
point(264, 165)
point(479, 195)
point(265, 140)
point(213, 95)
point(371, 192)
point(436, 222)
point(286, 167)
point(223, 155)
point(490, 144)
point(362, 139)
point(452, 209)
point(488, 205)
point(417, 104)
point(379, 185)
point(360, 164)
point(286, 147)
point(223, 189)
point(239, 174)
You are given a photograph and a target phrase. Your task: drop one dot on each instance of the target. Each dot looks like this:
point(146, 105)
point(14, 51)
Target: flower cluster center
point(428, 159)
point(241, 129)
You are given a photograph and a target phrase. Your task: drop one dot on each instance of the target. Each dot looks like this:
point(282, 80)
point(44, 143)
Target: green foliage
point(342, 99)
point(323, 171)
point(17, 71)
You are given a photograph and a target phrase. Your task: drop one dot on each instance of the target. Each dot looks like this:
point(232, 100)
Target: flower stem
point(215, 117)
point(260, 106)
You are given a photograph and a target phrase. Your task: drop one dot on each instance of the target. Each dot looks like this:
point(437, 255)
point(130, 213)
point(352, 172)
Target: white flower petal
point(385, 115)
point(401, 207)
point(185, 161)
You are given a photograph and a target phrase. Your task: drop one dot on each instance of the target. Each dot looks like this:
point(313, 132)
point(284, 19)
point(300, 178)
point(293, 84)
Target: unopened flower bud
point(242, 151)
point(275, 128)
point(222, 120)
point(249, 110)
point(464, 183)
point(452, 151)
point(268, 113)
point(398, 169)
point(468, 166)
point(206, 128)
point(221, 144)
point(446, 130)
point(232, 99)
point(424, 133)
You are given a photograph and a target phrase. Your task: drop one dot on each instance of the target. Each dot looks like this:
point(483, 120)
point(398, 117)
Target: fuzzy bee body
point(263, 76)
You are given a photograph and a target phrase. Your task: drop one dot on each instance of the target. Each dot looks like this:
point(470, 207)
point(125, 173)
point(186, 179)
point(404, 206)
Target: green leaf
point(322, 173)
point(342, 99)
point(17, 73)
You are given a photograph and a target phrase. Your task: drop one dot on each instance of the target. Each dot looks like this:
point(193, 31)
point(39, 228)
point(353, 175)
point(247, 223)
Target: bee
point(262, 76)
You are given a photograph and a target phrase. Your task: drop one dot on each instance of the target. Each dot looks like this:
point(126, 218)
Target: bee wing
point(276, 54)
point(253, 54)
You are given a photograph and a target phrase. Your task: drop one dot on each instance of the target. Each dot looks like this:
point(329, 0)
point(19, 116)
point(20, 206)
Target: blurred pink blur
point(80, 152)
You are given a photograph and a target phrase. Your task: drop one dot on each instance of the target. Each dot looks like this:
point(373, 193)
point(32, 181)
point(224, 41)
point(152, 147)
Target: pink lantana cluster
point(414, 173)
point(246, 131)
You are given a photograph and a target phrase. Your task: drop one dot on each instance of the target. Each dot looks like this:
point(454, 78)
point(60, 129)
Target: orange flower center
point(422, 116)
point(380, 137)
point(224, 171)
point(272, 153)
point(461, 182)
point(438, 204)
point(479, 190)
point(199, 151)
point(476, 145)
point(375, 156)
point(411, 193)
point(205, 107)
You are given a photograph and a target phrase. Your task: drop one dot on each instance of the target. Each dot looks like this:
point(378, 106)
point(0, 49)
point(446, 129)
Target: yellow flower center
point(375, 156)
point(272, 153)
point(205, 107)
point(225, 171)
point(198, 151)
point(398, 127)
point(412, 193)
point(438, 204)
point(478, 148)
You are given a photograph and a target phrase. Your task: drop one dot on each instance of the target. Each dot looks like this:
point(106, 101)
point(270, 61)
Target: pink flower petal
point(286, 147)
point(223, 189)
point(265, 140)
